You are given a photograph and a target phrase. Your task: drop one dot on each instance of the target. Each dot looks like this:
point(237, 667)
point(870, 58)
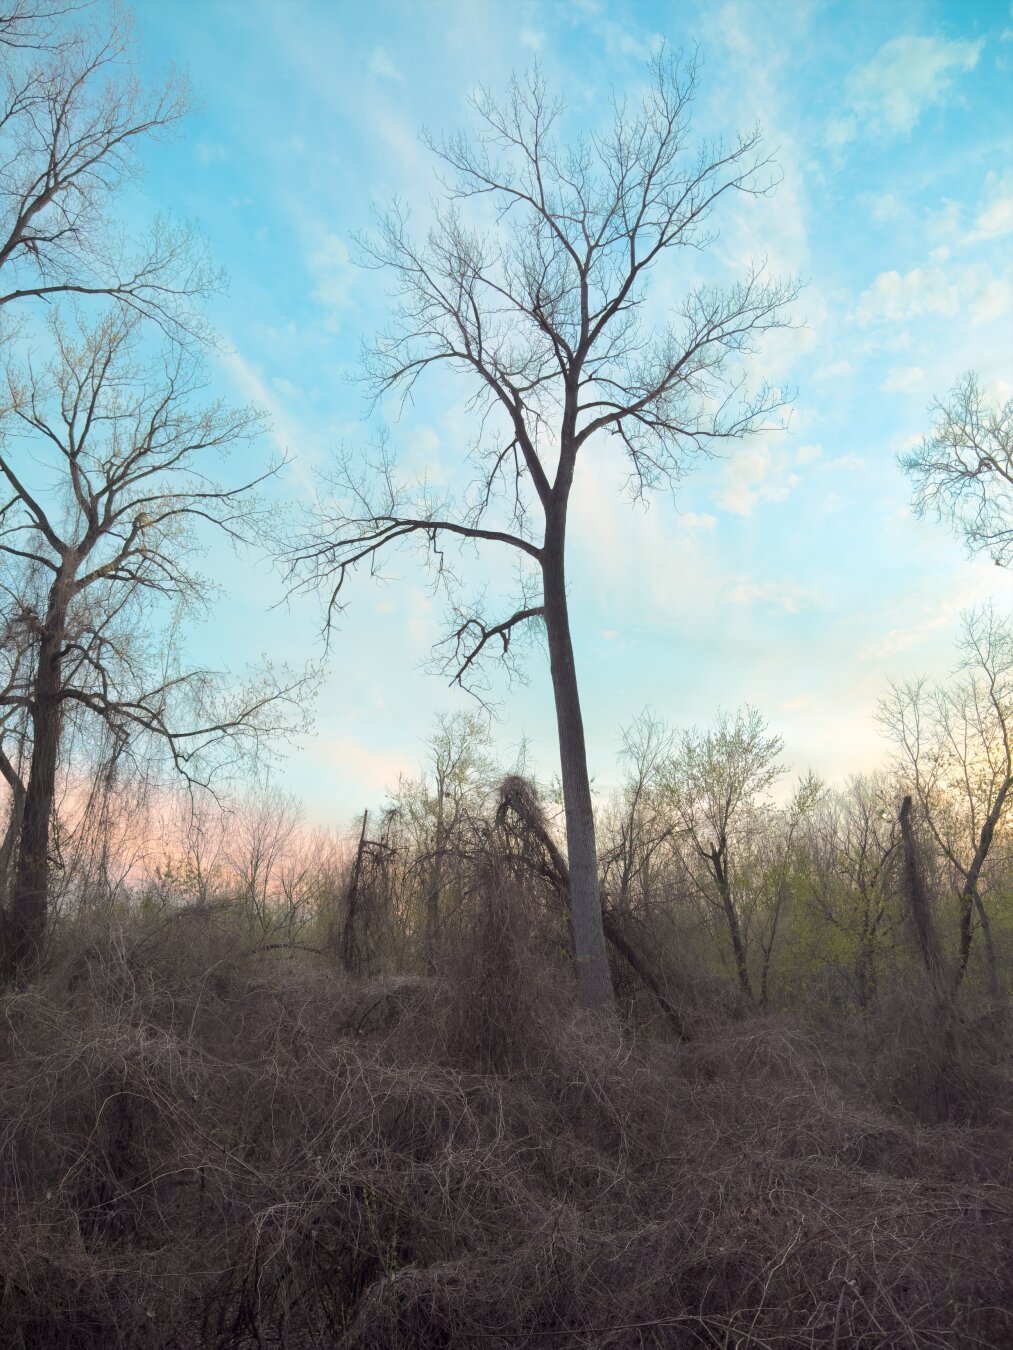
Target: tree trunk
point(29, 905)
point(719, 865)
point(10, 839)
point(991, 968)
point(918, 901)
point(349, 946)
point(969, 892)
point(594, 979)
point(865, 959)
point(434, 892)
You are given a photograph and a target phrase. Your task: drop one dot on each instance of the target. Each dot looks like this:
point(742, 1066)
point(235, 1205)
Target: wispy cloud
point(908, 75)
point(789, 596)
point(331, 268)
point(383, 66)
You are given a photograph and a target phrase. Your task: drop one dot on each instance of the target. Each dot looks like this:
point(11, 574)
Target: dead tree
point(919, 904)
point(518, 799)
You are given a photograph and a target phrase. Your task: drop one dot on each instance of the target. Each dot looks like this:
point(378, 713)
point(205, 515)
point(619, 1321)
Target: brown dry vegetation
point(203, 1144)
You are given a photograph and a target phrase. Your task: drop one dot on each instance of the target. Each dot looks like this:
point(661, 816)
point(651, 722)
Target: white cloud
point(786, 595)
point(207, 153)
point(331, 269)
point(532, 38)
point(907, 75)
point(885, 207)
point(694, 521)
point(904, 380)
point(762, 473)
point(836, 370)
point(996, 217)
point(382, 65)
point(994, 300)
point(892, 297)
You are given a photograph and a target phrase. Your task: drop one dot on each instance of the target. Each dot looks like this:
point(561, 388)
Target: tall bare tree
point(107, 466)
point(954, 744)
point(963, 471)
point(542, 315)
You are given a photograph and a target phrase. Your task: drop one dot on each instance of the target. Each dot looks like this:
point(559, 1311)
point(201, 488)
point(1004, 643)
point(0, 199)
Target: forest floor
point(204, 1147)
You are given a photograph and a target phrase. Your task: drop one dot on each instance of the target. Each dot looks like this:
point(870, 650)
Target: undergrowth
point(206, 1146)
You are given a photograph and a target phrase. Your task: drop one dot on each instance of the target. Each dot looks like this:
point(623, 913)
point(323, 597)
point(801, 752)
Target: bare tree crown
point(73, 114)
point(542, 311)
point(963, 471)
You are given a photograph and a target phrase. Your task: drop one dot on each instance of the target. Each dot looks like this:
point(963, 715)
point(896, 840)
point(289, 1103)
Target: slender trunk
point(28, 913)
point(918, 900)
point(349, 952)
point(991, 968)
point(434, 892)
point(719, 864)
point(969, 891)
point(767, 948)
point(10, 839)
point(594, 979)
point(865, 960)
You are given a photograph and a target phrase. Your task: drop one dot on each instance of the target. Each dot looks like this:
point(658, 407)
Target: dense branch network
point(963, 471)
point(545, 316)
point(83, 568)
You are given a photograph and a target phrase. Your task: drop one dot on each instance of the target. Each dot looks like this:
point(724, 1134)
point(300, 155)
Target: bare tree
point(542, 314)
point(849, 843)
point(31, 24)
point(107, 468)
point(779, 862)
point(436, 807)
point(716, 780)
point(72, 115)
point(955, 741)
point(963, 471)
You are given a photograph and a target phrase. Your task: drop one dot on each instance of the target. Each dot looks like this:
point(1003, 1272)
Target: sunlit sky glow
point(791, 574)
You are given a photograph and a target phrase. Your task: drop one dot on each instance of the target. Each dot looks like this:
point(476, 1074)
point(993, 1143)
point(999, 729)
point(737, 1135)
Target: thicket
point(290, 1090)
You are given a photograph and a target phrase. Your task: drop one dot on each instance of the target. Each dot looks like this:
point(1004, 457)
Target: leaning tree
point(543, 314)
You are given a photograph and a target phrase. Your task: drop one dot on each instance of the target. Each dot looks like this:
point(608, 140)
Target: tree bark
point(918, 901)
point(991, 968)
point(594, 979)
point(349, 947)
point(969, 890)
point(10, 839)
point(434, 889)
point(734, 928)
point(29, 905)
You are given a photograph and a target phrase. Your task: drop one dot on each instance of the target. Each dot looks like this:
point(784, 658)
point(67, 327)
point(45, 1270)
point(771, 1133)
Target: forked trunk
point(969, 898)
point(720, 866)
point(594, 979)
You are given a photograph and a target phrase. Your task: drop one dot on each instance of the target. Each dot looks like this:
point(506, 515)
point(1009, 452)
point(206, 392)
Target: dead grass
point(204, 1148)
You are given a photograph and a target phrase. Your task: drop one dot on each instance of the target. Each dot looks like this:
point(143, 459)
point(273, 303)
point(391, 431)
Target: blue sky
point(790, 574)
